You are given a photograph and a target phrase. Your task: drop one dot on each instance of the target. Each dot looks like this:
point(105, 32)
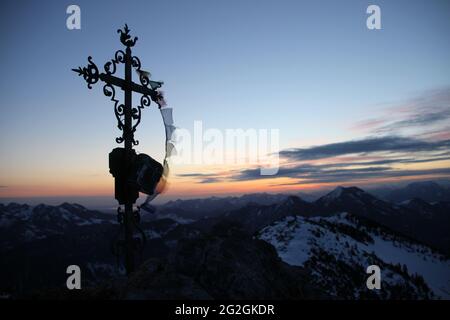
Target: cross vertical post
point(128, 134)
point(128, 118)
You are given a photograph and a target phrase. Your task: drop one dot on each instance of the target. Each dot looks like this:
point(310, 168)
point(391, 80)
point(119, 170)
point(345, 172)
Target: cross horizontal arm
point(132, 86)
point(91, 75)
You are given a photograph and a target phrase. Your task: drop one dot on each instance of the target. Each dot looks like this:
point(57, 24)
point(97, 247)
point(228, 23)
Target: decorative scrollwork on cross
point(136, 113)
point(119, 108)
point(89, 73)
point(111, 66)
point(136, 63)
point(144, 76)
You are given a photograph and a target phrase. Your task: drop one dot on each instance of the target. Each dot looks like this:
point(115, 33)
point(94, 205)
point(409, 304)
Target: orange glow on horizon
point(188, 187)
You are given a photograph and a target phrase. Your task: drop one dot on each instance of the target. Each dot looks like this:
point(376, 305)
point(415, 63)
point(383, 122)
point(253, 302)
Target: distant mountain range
point(428, 191)
point(417, 218)
point(194, 209)
point(231, 247)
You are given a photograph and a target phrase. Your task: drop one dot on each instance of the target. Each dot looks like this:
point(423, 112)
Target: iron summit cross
point(128, 119)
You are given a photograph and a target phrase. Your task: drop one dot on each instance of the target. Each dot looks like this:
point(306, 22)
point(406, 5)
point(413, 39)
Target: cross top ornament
point(125, 37)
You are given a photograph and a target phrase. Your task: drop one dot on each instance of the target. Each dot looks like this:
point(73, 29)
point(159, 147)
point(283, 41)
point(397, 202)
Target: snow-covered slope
point(338, 249)
point(23, 223)
point(63, 214)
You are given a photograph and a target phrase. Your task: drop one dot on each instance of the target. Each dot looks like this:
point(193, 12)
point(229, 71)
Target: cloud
point(352, 175)
point(389, 144)
point(330, 175)
point(395, 151)
point(428, 111)
point(211, 180)
point(424, 118)
point(194, 174)
point(202, 177)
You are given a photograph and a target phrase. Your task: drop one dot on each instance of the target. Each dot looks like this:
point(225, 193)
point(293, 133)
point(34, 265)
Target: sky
point(353, 106)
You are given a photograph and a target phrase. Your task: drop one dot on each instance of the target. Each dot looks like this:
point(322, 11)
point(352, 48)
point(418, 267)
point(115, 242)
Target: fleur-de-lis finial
point(125, 37)
point(89, 73)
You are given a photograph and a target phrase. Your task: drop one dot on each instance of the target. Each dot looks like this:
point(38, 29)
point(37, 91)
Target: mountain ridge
point(55, 236)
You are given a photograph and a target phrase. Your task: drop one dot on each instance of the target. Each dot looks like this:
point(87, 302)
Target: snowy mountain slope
point(429, 223)
point(337, 249)
point(23, 223)
point(61, 215)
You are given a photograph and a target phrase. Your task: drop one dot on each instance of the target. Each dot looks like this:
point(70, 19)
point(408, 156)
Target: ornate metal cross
point(128, 118)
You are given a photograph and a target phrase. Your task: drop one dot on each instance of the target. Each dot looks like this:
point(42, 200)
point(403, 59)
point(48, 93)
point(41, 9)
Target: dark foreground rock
point(228, 265)
point(225, 264)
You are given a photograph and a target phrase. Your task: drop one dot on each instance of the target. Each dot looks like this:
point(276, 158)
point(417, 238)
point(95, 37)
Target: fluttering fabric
point(167, 117)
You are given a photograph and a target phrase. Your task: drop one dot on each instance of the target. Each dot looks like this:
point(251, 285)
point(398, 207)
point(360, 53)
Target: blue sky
point(310, 68)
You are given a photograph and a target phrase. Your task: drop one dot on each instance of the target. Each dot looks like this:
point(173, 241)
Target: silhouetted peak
point(416, 203)
point(343, 192)
point(293, 199)
point(423, 184)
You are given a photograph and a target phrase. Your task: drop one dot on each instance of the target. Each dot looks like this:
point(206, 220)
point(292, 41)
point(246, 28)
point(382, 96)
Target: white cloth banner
point(166, 114)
